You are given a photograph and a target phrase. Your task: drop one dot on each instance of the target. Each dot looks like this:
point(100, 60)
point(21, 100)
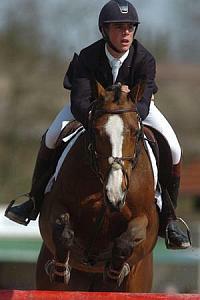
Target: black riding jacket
point(92, 65)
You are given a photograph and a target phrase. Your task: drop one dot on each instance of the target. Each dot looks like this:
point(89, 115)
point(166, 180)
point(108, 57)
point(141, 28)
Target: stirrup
point(12, 218)
point(167, 232)
point(33, 214)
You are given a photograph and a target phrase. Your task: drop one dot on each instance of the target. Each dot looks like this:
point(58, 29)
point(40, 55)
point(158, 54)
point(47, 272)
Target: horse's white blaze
point(114, 129)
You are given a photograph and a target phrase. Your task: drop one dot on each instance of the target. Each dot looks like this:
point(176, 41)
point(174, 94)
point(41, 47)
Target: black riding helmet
point(117, 11)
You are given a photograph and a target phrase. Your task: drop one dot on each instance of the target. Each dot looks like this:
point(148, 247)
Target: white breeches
point(157, 121)
point(58, 124)
point(154, 119)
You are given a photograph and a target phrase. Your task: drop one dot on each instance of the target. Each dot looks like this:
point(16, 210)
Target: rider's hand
point(125, 89)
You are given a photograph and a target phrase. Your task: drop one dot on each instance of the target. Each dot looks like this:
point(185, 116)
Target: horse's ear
point(137, 91)
point(100, 90)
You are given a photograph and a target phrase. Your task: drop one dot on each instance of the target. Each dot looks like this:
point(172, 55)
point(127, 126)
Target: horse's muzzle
point(115, 206)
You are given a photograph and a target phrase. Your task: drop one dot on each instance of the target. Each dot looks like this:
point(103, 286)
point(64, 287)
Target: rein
point(116, 111)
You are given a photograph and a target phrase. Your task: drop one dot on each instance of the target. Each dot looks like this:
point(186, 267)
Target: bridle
point(114, 162)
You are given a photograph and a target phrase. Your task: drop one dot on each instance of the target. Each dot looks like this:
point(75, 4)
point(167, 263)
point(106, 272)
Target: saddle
point(70, 130)
point(162, 153)
point(157, 141)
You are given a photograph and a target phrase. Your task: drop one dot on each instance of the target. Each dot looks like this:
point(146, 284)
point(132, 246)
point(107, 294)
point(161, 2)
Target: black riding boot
point(29, 210)
point(175, 238)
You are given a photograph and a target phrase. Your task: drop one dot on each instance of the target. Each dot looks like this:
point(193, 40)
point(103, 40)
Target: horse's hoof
point(117, 275)
point(124, 272)
point(56, 275)
point(50, 269)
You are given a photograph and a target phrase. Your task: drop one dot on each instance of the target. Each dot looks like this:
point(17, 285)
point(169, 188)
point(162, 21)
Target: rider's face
point(121, 35)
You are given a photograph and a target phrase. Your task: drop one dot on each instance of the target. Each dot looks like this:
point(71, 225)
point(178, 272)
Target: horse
point(100, 222)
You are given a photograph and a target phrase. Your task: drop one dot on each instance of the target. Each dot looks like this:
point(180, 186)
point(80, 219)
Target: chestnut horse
point(100, 223)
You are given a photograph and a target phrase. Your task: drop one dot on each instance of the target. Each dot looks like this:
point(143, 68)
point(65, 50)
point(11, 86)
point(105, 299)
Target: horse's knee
point(124, 245)
point(58, 269)
point(118, 268)
point(63, 234)
point(121, 251)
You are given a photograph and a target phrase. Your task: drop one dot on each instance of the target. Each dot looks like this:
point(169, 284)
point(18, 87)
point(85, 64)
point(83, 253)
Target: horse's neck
point(78, 159)
point(142, 178)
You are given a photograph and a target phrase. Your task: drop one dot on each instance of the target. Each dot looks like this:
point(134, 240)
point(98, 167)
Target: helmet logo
point(123, 6)
point(124, 9)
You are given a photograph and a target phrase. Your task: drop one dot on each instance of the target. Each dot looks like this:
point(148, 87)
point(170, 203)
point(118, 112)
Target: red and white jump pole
point(58, 295)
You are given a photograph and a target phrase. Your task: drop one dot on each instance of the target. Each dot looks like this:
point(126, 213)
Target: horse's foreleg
point(58, 269)
point(42, 280)
point(141, 276)
point(123, 248)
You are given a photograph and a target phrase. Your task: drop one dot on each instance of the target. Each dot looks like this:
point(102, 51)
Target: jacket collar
point(105, 71)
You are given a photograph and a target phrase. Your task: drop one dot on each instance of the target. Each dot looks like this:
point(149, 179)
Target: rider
point(117, 57)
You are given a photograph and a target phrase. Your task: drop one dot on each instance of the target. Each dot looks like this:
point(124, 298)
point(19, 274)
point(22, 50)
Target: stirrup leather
point(167, 242)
